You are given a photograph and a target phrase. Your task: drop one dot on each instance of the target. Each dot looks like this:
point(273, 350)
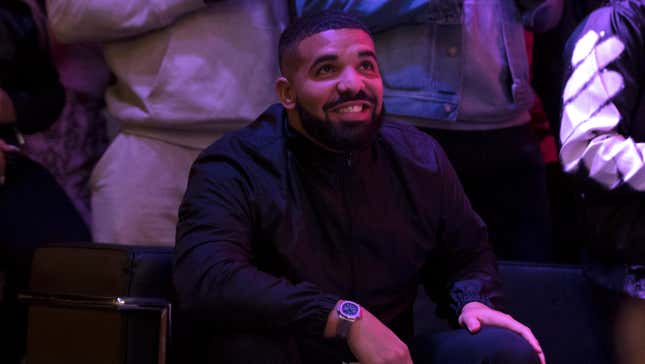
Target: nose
point(349, 82)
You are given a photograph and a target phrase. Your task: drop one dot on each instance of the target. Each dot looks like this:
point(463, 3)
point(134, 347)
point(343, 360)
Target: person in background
point(458, 70)
point(186, 71)
point(547, 81)
point(34, 210)
point(602, 133)
point(70, 148)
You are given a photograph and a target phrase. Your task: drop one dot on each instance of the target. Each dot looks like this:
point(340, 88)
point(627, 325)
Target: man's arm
point(465, 266)
point(104, 20)
point(217, 281)
point(600, 100)
point(215, 275)
point(379, 15)
point(370, 340)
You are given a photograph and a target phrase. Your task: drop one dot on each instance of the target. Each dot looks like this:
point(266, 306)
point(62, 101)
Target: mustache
point(360, 96)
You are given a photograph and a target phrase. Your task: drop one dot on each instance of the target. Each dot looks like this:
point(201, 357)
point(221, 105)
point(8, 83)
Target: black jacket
point(610, 168)
point(273, 230)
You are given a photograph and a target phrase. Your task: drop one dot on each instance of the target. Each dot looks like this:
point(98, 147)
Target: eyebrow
point(333, 57)
point(324, 58)
point(367, 54)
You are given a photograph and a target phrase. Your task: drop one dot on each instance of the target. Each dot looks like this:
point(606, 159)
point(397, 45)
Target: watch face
point(349, 309)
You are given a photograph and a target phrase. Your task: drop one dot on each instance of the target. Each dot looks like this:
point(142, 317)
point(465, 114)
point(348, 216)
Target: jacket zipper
point(347, 184)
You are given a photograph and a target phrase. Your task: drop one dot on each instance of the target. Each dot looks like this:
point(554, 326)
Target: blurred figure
point(458, 70)
point(70, 148)
point(33, 209)
point(603, 143)
point(630, 331)
point(186, 72)
point(548, 82)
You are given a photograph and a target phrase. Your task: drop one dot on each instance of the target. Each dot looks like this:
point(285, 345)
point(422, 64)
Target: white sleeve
point(591, 119)
point(104, 20)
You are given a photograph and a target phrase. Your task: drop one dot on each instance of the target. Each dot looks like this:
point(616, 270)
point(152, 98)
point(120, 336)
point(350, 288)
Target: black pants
point(491, 346)
point(34, 210)
point(504, 177)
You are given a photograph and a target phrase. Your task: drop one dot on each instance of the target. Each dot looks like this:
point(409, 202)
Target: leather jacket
point(603, 128)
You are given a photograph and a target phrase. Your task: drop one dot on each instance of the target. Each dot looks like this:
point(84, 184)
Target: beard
point(344, 136)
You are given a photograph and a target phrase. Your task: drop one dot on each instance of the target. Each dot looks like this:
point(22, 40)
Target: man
point(185, 73)
point(303, 237)
point(603, 139)
point(458, 70)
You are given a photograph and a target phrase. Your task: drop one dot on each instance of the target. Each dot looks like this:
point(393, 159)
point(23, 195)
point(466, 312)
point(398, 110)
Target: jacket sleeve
point(464, 268)
point(33, 85)
point(600, 102)
point(215, 275)
point(379, 15)
point(104, 20)
point(541, 15)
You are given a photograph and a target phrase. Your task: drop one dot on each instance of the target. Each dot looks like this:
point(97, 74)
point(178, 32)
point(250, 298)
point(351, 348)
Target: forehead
point(334, 42)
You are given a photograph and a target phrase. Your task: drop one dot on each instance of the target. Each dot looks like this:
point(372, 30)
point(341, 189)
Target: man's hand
point(476, 314)
point(371, 341)
point(4, 148)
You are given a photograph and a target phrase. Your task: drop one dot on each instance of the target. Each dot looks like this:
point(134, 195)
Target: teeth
point(355, 108)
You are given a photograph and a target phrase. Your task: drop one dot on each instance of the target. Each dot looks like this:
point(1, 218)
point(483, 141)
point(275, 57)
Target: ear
point(285, 93)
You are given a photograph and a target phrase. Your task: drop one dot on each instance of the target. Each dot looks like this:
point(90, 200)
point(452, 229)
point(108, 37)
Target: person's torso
point(613, 220)
point(466, 68)
point(358, 225)
point(210, 71)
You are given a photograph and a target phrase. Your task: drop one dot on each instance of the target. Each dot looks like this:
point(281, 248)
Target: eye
point(325, 69)
point(367, 66)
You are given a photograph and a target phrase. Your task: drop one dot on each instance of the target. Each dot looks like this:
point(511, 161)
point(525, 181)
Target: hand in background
point(7, 111)
point(5, 148)
point(475, 314)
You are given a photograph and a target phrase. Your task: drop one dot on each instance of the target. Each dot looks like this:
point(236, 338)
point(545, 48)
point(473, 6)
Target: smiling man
point(303, 237)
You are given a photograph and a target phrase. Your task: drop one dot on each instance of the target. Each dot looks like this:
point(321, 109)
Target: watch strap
point(342, 328)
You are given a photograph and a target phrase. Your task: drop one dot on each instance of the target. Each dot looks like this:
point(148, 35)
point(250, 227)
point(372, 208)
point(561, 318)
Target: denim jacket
point(452, 64)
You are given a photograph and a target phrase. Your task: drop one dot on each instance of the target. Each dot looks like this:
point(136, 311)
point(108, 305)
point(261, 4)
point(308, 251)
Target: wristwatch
point(348, 312)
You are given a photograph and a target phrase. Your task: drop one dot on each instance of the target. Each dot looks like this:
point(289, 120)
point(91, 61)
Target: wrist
point(342, 318)
point(349, 313)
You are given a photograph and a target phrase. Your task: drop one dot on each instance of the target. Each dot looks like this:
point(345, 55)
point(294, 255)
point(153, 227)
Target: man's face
point(337, 89)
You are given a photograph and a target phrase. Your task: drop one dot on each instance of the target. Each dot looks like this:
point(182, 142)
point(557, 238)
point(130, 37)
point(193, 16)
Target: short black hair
point(309, 25)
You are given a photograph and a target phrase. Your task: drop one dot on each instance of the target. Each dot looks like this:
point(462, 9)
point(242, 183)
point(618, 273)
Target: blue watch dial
point(349, 309)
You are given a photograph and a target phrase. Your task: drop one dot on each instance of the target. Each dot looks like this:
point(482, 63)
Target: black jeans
point(491, 346)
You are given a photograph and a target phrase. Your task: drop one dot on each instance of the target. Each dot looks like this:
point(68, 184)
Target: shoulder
point(626, 19)
point(265, 133)
point(249, 154)
point(614, 35)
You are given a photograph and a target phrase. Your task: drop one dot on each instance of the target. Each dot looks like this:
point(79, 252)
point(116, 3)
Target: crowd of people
point(290, 149)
